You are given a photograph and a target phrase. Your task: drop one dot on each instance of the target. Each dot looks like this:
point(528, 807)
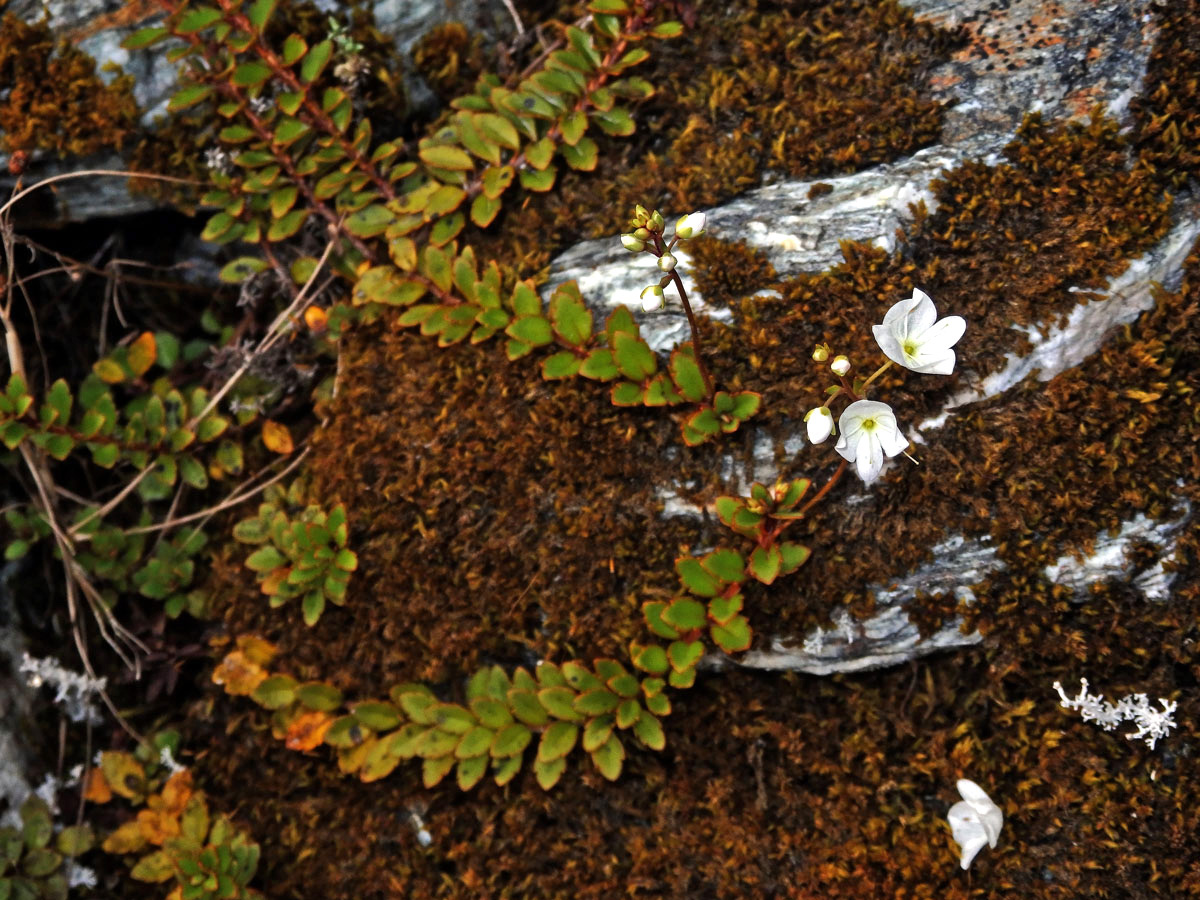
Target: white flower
point(667, 262)
point(691, 225)
point(820, 424)
point(868, 434)
point(652, 298)
point(912, 336)
point(840, 365)
point(632, 244)
point(974, 821)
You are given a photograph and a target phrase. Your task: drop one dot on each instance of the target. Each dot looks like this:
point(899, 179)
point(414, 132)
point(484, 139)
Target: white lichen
point(1152, 724)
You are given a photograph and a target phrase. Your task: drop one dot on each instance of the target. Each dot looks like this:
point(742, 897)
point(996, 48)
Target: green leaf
point(652, 659)
point(442, 156)
point(145, 37)
point(197, 19)
point(599, 365)
point(557, 741)
point(242, 268)
point(434, 770)
point(722, 609)
point(582, 156)
point(573, 127)
point(696, 578)
point(287, 225)
point(596, 702)
point(616, 122)
point(667, 30)
point(609, 758)
point(370, 220)
point(559, 701)
point(316, 695)
point(527, 708)
point(633, 357)
point(251, 74)
point(563, 364)
point(653, 611)
point(686, 375)
point(259, 13)
point(533, 330)
point(484, 210)
point(266, 559)
point(686, 614)
point(499, 129)
point(469, 771)
point(510, 741)
point(539, 182)
point(612, 7)
point(597, 731)
point(312, 606)
point(727, 565)
point(745, 404)
point(765, 563)
point(571, 319)
point(294, 47)
point(540, 153)
point(650, 731)
point(275, 692)
point(474, 743)
point(75, 840)
point(734, 636)
point(792, 557)
point(548, 773)
point(376, 715)
point(683, 655)
point(315, 61)
point(155, 868)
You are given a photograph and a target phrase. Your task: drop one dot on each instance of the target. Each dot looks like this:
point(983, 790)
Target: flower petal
point(921, 314)
point(889, 344)
point(946, 332)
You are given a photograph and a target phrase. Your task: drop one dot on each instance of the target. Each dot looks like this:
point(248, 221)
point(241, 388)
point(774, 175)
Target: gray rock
point(1091, 53)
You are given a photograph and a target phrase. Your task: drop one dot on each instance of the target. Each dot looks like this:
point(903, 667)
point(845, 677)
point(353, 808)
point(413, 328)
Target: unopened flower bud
point(641, 234)
point(652, 298)
point(821, 353)
point(667, 262)
point(641, 213)
point(657, 223)
point(632, 244)
point(690, 226)
point(840, 365)
point(820, 424)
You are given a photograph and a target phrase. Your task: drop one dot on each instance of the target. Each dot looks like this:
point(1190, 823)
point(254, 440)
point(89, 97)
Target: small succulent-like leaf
point(470, 771)
point(510, 740)
point(722, 609)
point(609, 758)
point(599, 366)
point(650, 731)
point(548, 773)
point(765, 563)
point(652, 659)
point(557, 741)
point(653, 611)
point(792, 557)
point(696, 578)
point(734, 636)
point(563, 364)
point(684, 655)
point(275, 692)
point(155, 867)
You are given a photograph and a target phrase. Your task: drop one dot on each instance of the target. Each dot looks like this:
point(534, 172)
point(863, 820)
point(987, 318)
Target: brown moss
point(54, 99)
point(450, 59)
point(486, 503)
point(1168, 129)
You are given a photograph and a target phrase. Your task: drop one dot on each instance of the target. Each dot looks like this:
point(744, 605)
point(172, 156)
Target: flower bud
point(667, 262)
point(640, 213)
point(632, 244)
point(820, 424)
point(657, 223)
point(840, 365)
point(690, 226)
point(821, 353)
point(652, 298)
point(641, 234)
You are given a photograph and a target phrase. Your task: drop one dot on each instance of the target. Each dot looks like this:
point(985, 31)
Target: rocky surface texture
point(1066, 60)
point(97, 27)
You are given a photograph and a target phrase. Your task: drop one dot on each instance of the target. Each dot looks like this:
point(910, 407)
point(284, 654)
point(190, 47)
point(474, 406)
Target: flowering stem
point(887, 365)
point(687, 308)
point(820, 495)
point(691, 317)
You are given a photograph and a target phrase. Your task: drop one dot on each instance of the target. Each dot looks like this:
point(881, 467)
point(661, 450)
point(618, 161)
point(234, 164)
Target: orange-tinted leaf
point(316, 319)
point(256, 649)
point(142, 353)
point(277, 438)
point(239, 674)
point(157, 826)
point(124, 774)
point(307, 730)
point(126, 839)
point(95, 788)
point(177, 791)
point(274, 580)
